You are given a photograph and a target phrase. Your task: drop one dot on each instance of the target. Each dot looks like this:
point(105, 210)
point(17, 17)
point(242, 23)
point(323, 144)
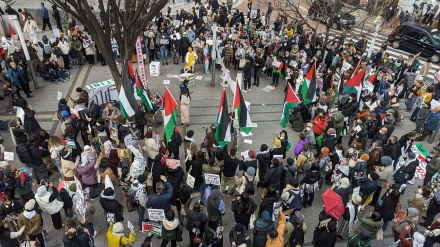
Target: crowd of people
point(343, 139)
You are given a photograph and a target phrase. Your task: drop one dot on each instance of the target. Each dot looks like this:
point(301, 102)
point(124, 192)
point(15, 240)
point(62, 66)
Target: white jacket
point(141, 194)
point(138, 166)
point(55, 152)
point(49, 207)
point(29, 26)
point(65, 47)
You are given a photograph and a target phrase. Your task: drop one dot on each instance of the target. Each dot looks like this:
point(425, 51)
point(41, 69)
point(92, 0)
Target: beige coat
point(240, 182)
point(29, 26)
point(68, 168)
point(184, 108)
point(424, 69)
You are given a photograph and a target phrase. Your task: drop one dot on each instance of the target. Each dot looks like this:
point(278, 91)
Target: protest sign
point(154, 228)
point(213, 179)
point(276, 210)
point(156, 214)
point(110, 217)
point(190, 180)
point(8, 156)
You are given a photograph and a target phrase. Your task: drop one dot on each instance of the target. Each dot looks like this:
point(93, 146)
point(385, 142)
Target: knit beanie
point(277, 143)
point(30, 205)
point(118, 228)
point(265, 216)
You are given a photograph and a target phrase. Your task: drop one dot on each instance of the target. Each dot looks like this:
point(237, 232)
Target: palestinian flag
point(291, 102)
point(355, 71)
point(354, 84)
point(241, 111)
point(373, 78)
point(223, 130)
point(141, 93)
point(127, 100)
point(308, 88)
point(170, 119)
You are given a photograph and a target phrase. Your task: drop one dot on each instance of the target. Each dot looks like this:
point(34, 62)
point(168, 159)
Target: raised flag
point(170, 119)
point(141, 93)
point(373, 78)
point(354, 84)
point(223, 130)
point(308, 88)
point(241, 111)
point(291, 102)
point(127, 100)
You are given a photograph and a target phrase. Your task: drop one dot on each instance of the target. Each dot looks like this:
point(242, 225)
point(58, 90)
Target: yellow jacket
point(279, 241)
point(118, 241)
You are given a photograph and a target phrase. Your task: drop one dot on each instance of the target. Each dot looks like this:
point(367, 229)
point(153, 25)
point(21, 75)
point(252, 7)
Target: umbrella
point(333, 204)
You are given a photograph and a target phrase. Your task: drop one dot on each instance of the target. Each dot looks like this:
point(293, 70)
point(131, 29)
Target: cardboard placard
point(190, 180)
point(213, 179)
point(110, 217)
point(154, 228)
point(276, 210)
point(156, 214)
point(8, 156)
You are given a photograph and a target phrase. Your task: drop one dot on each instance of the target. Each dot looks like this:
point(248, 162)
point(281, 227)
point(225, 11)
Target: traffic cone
point(11, 31)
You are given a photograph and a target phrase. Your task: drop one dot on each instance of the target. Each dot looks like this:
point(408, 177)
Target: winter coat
point(189, 145)
point(157, 169)
point(329, 141)
point(385, 176)
point(344, 193)
point(297, 122)
point(299, 146)
point(431, 122)
point(417, 203)
point(88, 172)
point(68, 167)
point(110, 205)
point(392, 150)
point(195, 219)
point(319, 124)
point(310, 135)
point(261, 228)
point(170, 229)
point(175, 142)
point(139, 163)
point(367, 186)
point(367, 224)
point(81, 239)
point(213, 203)
point(325, 239)
point(175, 177)
point(196, 170)
point(263, 163)
point(184, 108)
point(48, 202)
point(274, 177)
point(267, 205)
point(32, 226)
point(31, 125)
point(65, 48)
point(161, 201)
point(241, 182)
point(14, 208)
point(116, 241)
point(141, 193)
point(210, 238)
point(421, 116)
point(302, 159)
point(386, 210)
point(410, 168)
point(19, 134)
point(107, 171)
point(434, 165)
point(279, 240)
point(243, 217)
point(29, 26)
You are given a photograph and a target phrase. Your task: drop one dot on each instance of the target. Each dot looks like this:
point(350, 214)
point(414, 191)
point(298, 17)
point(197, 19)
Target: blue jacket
point(367, 186)
point(44, 13)
point(13, 76)
point(432, 121)
point(161, 201)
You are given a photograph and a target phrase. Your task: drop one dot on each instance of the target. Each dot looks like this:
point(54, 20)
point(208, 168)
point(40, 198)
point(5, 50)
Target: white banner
point(213, 179)
point(156, 214)
point(141, 65)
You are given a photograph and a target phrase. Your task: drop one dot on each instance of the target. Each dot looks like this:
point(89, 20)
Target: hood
point(158, 158)
point(54, 7)
point(170, 225)
point(386, 161)
point(303, 142)
point(42, 191)
point(169, 170)
point(44, 38)
point(215, 196)
point(261, 225)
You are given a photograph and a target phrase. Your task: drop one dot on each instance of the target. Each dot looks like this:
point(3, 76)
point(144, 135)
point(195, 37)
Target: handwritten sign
point(110, 217)
point(9, 156)
point(213, 179)
point(154, 228)
point(140, 60)
point(156, 214)
point(190, 180)
point(276, 210)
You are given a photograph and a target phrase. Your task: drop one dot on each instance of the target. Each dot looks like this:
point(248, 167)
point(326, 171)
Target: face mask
point(282, 137)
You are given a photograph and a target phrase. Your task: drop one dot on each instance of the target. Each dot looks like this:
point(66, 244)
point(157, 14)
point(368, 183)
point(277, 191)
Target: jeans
point(68, 212)
point(433, 210)
point(385, 225)
point(247, 83)
point(410, 102)
point(308, 199)
point(165, 243)
point(164, 54)
point(275, 78)
point(230, 181)
point(58, 164)
point(89, 226)
point(141, 214)
point(92, 190)
point(207, 67)
point(41, 239)
point(115, 55)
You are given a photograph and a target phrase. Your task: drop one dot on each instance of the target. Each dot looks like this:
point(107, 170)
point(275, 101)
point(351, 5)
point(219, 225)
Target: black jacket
point(82, 239)
point(209, 238)
point(344, 193)
point(230, 166)
point(195, 219)
point(112, 206)
point(196, 170)
point(392, 150)
point(247, 71)
point(324, 238)
point(184, 44)
point(175, 142)
point(149, 42)
point(244, 217)
point(263, 163)
point(274, 177)
point(386, 210)
point(36, 154)
point(311, 177)
point(175, 45)
point(15, 208)
point(261, 228)
point(267, 204)
point(19, 134)
point(175, 177)
point(329, 141)
point(410, 169)
point(350, 108)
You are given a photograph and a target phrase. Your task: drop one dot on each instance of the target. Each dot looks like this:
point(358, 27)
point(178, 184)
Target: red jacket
point(404, 242)
point(319, 124)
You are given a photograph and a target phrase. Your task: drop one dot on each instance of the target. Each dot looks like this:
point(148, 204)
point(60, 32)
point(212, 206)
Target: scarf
point(29, 214)
point(190, 139)
point(353, 218)
point(108, 146)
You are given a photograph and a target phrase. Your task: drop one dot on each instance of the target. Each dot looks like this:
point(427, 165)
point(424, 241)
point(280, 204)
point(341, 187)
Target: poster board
point(156, 214)
point(154, 228)
point(213, 179)
point(190, 180)
point(154, 68)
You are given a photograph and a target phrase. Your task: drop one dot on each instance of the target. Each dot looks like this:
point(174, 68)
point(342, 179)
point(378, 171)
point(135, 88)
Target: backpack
point(296, 201)
point(400, 173)
point(297, 237)
point(132, 201)
point(308, 164)
point(47, 48)
point(288, 145)
point(23, 154)
point(249, 188)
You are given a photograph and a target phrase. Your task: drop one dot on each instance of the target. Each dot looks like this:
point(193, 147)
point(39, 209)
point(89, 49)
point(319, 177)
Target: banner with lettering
point(141, 65)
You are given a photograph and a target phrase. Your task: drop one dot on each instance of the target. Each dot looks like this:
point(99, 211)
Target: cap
point(437, 148)
point(411, 155)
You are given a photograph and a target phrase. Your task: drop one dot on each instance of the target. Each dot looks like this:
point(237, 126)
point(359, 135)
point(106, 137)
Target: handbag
point(251, 222)
point(379, 234)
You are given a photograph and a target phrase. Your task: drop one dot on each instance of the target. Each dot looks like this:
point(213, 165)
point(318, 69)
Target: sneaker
point(249, 90)
point(117, 63)
point(95, 233)
point(244, 90)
